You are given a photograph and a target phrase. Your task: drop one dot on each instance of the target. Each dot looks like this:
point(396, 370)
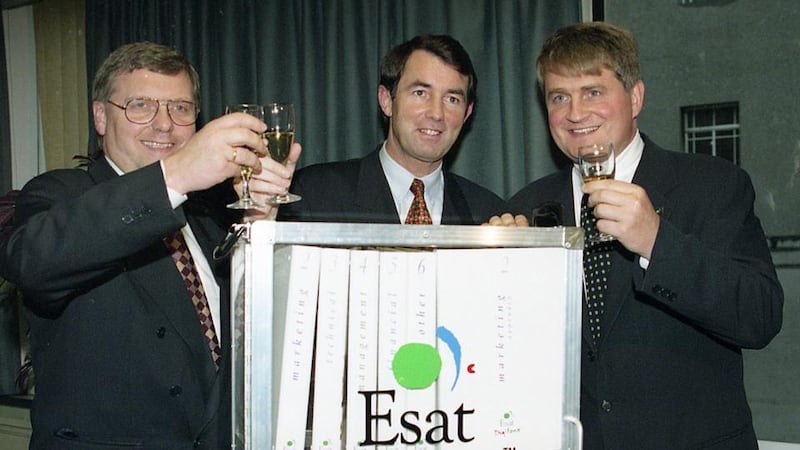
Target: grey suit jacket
point(667, 374)
point(356, 191)
point(118, 352)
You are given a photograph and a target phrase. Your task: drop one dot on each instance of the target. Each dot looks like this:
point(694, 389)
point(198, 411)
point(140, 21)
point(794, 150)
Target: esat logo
point(417, 366)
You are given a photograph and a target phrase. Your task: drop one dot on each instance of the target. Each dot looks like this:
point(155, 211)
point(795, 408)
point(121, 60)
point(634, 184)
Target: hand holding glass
point(280, 121)
point(597, 162)
point(246, 202)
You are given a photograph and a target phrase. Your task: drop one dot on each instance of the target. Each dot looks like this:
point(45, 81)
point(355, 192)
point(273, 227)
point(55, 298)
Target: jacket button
point(161, 332)
point(590, 355)
point(175, 390)
point(606, 405)
point(197, 443)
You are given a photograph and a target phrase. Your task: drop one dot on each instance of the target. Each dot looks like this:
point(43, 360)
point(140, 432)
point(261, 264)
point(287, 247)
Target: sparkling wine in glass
point(280, 121)
point(246, 202)
point(597, 162)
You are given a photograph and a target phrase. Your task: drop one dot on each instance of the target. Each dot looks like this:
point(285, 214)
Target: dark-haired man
point(426, 91)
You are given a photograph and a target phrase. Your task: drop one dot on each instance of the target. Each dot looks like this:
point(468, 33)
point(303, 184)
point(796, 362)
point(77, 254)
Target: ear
point(385, 100)
point(637, 98)
point(469, 111)
point(99, 116)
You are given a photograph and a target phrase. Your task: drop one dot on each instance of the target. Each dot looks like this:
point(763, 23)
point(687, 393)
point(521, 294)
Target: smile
point(584, 130)
point(157, 145)
point(429, 132)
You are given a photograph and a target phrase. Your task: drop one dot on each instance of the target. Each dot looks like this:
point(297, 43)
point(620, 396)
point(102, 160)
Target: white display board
point(454, 337)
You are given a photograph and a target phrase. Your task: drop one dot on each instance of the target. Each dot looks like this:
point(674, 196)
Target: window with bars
point(712, 130)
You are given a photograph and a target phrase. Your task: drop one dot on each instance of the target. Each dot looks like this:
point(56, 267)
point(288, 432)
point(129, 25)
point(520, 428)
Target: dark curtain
point(5, 126)
point(324, 57)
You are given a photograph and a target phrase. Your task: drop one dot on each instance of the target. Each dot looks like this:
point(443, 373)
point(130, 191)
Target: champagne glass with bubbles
point(280, 121)
point(597, 162)
point(246, 202)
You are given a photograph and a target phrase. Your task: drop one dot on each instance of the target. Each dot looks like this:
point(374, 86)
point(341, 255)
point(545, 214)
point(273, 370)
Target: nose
point(162, 121)
point(435, 109)
point(576, 112)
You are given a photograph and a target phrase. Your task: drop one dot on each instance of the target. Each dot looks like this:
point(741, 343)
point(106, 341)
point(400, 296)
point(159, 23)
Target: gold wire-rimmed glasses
point(143, 110)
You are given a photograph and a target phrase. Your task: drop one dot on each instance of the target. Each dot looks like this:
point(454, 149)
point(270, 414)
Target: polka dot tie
point(596, 264)
point(418, 213)
point(180, 254)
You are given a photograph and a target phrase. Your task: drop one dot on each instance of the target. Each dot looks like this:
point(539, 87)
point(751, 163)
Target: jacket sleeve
point(70, 232)
point(712, 266)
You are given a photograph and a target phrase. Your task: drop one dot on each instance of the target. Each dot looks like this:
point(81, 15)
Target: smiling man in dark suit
point(427, 92)
point(121, 356)
point(691, 282)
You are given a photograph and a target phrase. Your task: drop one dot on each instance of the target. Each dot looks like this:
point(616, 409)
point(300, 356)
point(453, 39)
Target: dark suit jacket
point(667, 374)
point(356, 191)
point(118, 351)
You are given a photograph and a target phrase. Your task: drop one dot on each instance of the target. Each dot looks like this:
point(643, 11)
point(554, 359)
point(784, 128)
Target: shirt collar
point(399, 179)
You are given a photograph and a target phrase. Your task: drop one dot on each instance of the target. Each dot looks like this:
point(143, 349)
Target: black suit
point(667, 374)
point(118, 351)
point(356, 191)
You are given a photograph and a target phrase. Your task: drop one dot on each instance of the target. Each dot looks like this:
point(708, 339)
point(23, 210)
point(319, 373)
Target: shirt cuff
point(175, 198)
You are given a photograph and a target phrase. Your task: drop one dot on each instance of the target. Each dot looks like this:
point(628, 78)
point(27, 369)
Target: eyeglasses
point(144, 110)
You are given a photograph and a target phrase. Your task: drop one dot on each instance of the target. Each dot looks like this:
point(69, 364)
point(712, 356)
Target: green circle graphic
point(416, 365)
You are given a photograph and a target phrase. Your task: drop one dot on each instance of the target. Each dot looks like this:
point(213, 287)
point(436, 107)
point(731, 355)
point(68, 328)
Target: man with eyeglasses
point(127, 351)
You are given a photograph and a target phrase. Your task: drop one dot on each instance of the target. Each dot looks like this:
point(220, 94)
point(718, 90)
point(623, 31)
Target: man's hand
point(215, 153)
point(274, 178)
point(624, 211)
point(508, 220)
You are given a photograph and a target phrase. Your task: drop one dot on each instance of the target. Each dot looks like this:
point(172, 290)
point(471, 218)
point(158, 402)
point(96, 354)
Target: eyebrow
point(420, 83)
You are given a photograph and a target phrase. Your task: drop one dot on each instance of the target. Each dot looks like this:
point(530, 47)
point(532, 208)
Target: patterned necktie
point(185, 264)
point(418, 213)
point(596, 264)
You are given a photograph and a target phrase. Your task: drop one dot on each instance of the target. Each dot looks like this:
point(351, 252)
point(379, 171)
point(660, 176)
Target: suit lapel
point(154, 262)
point(455, 208)
point(373, 194)
point(562, 193)
point(657, 176)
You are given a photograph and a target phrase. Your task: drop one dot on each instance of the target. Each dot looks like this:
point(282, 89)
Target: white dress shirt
point(400, 184)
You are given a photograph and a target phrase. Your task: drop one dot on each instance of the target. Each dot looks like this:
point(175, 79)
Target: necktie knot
point(418, 188)
point(418, 214)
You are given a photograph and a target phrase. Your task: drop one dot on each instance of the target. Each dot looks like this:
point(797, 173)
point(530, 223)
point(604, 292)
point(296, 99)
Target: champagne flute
point(597, 162)
point(246, 202)
point(280, 121)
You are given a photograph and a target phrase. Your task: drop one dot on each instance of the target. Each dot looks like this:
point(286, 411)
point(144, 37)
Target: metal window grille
point(712, 130)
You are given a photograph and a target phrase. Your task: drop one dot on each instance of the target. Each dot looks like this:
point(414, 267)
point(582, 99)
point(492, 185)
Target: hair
point(444, 47)
point(586, 49)
point(142, 55)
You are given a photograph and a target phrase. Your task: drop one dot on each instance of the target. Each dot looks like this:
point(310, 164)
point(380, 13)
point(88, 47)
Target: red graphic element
point(471, 368)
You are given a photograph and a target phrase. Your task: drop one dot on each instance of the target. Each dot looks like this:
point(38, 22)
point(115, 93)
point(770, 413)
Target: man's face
point(426, 114)
point(132, 146)
point(591, 109)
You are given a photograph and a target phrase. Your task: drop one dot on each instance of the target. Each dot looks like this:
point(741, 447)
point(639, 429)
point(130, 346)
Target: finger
point(294, 156)
point(243, 156)
point(238, 120)
point(273, 171)
point(521, 221)
point(278, 186)
point(494, 221)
